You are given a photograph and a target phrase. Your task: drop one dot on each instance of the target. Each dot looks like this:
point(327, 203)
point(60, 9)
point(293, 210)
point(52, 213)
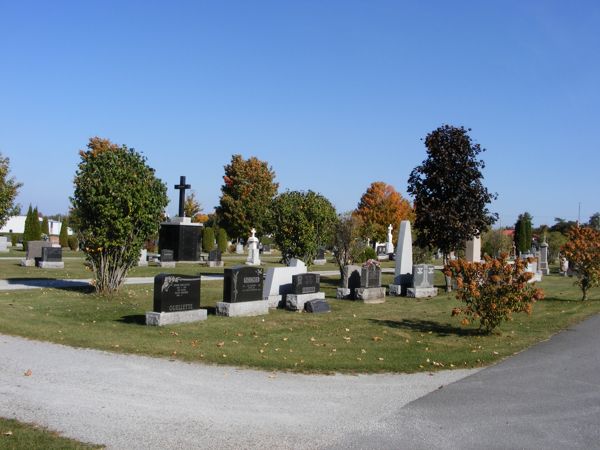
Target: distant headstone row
point(42, 254)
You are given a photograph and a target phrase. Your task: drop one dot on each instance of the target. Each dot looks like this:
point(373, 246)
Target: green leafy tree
point(450, 200)
point(246, 196)
point(347, 244)
point(27, 229)
point(118, 203)
point(495, 242)
point(9, 188)
point(63, 237)
point(595, 221)
point(583, 252)
point(303, 221)
point(523, 233)
point(563, 226)
point(208, 239)
point(555, 240)
point(222, 240)
point(36, 225)
point(45, 228)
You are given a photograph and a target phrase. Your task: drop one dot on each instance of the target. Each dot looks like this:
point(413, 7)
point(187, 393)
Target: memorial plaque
point(242, 284)
point(173, 293)
point(51, 254)
point(370, 276)
point(306, 283)
point(166, 255)
point(214, 255)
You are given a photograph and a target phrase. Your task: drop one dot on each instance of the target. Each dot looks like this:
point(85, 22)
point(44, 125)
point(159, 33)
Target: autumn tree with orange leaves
point(246, 196)
point(380, 206)
point(583, 252)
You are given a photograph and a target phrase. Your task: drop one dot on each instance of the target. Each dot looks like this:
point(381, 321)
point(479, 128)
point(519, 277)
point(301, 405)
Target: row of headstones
point(42, 254)
point(177, 297)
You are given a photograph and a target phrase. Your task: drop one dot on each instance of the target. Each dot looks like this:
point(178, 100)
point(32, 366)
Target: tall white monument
point(253, 252)
point(404, 260)
point(473, 250)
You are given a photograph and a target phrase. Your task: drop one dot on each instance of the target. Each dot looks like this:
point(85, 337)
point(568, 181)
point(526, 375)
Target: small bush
point(222, 240)
point(73, 243)
point(208, 239)
point(492, 290)
point(14, 239)
point(364, 254)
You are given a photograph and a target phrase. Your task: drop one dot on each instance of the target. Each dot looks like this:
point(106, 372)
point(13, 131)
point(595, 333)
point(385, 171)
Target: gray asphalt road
point(547, 397)
point(130, 402)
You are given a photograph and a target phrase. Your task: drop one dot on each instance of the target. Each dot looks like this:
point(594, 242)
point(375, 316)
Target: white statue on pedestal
point(253, 252)
point(389, 245)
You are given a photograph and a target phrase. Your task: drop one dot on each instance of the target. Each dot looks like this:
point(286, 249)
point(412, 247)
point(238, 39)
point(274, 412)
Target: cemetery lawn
point(401, 335)
point(18, 435)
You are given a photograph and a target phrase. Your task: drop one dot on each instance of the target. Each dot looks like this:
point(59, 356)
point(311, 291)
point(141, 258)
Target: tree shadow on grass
point(425, 326)
point(562, 300)
point(54, 283)
point(137, 319)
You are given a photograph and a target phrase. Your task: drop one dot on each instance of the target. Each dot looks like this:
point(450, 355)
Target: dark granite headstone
point(214, 255)
point(305, 283)
point(166, 255)
point(242, 284)
point(51, 254)
point(370, 276)
point(266, 248)
point(381, 250)
point(34, 249)
point(320, 253)
point(183, 240)
point(176, 292)
point(423, 276)
point(317, 306)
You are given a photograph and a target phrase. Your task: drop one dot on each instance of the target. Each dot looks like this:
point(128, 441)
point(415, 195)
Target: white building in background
point(16, 224)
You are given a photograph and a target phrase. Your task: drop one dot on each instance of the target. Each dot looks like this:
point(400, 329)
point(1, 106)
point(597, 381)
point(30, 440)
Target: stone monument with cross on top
point(180, 235)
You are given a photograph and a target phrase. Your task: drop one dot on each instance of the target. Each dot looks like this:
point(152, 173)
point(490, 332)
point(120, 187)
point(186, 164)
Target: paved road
point(129, 402)
point(547, 397)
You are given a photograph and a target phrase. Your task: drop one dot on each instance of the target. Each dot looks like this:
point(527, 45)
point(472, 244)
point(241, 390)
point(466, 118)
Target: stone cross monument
point(389, 245)
point(182, 187)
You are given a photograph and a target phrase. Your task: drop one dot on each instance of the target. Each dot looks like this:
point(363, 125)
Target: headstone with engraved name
point(176, 300)
point(214, 258)
point(370, 290)
point(34, 252)
point(166, 258)
point(422, 282)
point(305, 288)
point(242, 292)
point(51, 258)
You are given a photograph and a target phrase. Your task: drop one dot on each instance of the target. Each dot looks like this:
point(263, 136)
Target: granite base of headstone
point(317, 306)
point(176, 300)
point(350, 282)
point(370, 295)
point(422, 282)
point(242, 293)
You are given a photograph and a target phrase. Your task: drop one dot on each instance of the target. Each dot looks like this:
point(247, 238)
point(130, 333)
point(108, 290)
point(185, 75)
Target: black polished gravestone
point(317, 306)
point(320, 253)
point(184, 240)
point(382, 250)
point(214, 255)
point(306, 283)
point(166, 255)
point(51, 254)
point(242, 284)
point(370, 276)
point(175, 293)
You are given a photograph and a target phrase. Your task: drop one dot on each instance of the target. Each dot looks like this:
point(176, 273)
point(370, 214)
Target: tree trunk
point(446, 277)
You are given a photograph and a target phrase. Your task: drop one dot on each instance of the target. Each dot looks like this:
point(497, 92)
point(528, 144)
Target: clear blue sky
point(333, 94)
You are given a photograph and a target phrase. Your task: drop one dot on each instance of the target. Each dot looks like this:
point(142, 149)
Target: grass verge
point(401, 335)
point(18, 435)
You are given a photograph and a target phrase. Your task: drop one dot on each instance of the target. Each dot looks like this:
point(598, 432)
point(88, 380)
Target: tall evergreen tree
point(523, 233)
point(27, 230)
point(63, 237)
point(45, 228)
point(37, 226)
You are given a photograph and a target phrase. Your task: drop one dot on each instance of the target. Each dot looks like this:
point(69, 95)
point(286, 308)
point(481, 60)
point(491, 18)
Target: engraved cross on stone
point(182, 187)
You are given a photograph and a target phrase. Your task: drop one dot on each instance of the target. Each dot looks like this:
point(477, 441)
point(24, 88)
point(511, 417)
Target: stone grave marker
point(278, 283)
point(3, 244)
point(422, 282)
point(51, 258)
point(543, 260)
point(167, 258)
point(350, 282)
point(403, 258)
point(473, 249)
point(34, 252)
point(242, 292)
point(305, 287)
point(320, 260)
point(370, 290)
point(143, 261)
point(317, 306)
point(214, 258)
point(176, 300)
point(253, 251)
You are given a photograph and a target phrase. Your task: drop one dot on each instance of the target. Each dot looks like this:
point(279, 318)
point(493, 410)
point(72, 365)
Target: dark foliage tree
point(450, 200)
point(63, 237)
point(595, 221)
point(9, 188)
point(208, 239)
point(303, 222)
point(563, 226)
point(45, 227)
point(118, 203)
point(246, 196)
point(523, 233)
point(222, 240)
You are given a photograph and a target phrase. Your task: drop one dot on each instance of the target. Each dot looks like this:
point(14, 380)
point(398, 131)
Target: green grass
point(18, 435)
point(401, 335)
